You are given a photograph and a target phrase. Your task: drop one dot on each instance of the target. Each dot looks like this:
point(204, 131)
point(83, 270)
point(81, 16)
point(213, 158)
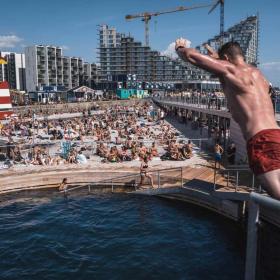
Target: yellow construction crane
point(222, 16)
point(146, 17)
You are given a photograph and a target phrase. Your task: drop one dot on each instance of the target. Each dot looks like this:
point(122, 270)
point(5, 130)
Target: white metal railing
point(232, 177)
point(256, 201)
point(216, 103)
point(206, 102)
point(157, 174)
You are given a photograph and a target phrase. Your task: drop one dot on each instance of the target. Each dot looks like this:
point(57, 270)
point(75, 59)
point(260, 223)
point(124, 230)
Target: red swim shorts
point(264, 151)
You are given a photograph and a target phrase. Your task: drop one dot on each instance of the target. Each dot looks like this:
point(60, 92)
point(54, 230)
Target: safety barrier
point(256, 203)
point(217, 103)
point(213, 103)
point(160, 177)
point(235, 177)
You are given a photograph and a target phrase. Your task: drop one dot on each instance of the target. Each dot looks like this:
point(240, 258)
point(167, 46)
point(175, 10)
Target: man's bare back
point(248, 97)
point(244, 86)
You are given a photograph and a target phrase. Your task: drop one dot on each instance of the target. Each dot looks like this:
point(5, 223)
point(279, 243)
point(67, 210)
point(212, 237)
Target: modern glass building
point(120, 55)
point(246, 33)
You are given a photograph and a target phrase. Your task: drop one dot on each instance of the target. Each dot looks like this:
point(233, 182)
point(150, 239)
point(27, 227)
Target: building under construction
point(120, 56)
point(246, 33)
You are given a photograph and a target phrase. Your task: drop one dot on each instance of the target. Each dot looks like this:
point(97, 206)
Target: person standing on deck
point(144, 172)
point(218, 151)
point(247, 92)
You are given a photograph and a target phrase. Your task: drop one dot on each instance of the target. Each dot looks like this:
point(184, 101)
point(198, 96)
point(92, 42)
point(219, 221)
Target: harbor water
point(115, 236)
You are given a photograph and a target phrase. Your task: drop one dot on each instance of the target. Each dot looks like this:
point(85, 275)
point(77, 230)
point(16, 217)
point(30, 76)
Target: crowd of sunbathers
point(121, 133)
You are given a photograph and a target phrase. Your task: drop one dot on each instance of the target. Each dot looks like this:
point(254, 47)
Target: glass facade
point(121, 55)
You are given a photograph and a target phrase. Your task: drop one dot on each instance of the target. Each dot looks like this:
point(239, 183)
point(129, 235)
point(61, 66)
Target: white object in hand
point(181, 42)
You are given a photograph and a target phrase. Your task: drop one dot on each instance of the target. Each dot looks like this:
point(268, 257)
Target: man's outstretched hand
point(211, 52)
point(181, 43)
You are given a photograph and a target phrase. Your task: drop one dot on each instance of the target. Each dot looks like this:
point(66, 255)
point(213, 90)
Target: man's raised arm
point(209, 63)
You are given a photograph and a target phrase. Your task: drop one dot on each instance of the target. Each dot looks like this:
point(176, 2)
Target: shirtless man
point(218, 151)
point(247, 92)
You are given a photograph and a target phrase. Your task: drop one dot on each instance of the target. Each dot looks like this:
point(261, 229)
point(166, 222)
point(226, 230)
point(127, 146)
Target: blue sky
point(72, 24)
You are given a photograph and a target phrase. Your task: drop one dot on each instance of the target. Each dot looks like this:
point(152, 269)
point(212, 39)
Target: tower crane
point(146, 17)
point(222, 16)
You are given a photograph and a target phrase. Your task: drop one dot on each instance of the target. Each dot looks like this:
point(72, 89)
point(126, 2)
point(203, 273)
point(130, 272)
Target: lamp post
point(33, 140)
point(47, 119)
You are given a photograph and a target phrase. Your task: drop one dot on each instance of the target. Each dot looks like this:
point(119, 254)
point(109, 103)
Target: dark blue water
point(115, 236)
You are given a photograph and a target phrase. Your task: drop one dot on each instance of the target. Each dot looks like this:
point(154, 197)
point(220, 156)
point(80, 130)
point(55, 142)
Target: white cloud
point(65, 48)
point(272, 71)
point(271, 65)
point(170, 51)
point(9, 41)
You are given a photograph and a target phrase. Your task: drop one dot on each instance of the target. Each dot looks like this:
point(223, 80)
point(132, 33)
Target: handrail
point(197, 139)
point(234, 169)
point(216, 103)
point(256, 200)
point(114, 179)
point(236, 172)
point(265, 201)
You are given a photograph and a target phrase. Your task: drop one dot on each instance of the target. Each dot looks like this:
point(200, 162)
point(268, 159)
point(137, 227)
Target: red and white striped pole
point(5, 98)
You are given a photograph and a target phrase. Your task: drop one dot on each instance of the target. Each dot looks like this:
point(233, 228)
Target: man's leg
point(271, 182)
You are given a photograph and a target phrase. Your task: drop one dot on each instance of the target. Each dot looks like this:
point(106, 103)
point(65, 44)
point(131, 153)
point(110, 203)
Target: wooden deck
point(203, 178)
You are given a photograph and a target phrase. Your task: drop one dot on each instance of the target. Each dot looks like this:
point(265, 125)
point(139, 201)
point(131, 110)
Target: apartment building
point(109, 37)
point(43, 67)
point(76, 71)
point(120, 55)
point(14, 71)
point(87, 74)
point(66, 70)
point(46, 66)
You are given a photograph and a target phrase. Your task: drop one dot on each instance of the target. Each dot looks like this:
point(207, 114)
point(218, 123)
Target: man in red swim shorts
point(250, 105)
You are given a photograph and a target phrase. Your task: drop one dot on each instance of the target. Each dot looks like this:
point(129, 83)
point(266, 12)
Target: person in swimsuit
point(144, 172)
point(249, 102)
point(63, 185)
point(218, 151)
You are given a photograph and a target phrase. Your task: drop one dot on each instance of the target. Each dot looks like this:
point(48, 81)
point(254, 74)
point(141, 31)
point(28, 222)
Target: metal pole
point(112, 186)
point(33, 117)
point(215, 178)
point(88, 188)
point(182, 181)
point(158, 179)
point(227, 178)
point(237, 179)
point(146, 20)
point(252, 241)
point(266, 201)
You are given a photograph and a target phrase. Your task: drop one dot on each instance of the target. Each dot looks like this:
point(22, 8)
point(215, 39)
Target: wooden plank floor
point(204, 176)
